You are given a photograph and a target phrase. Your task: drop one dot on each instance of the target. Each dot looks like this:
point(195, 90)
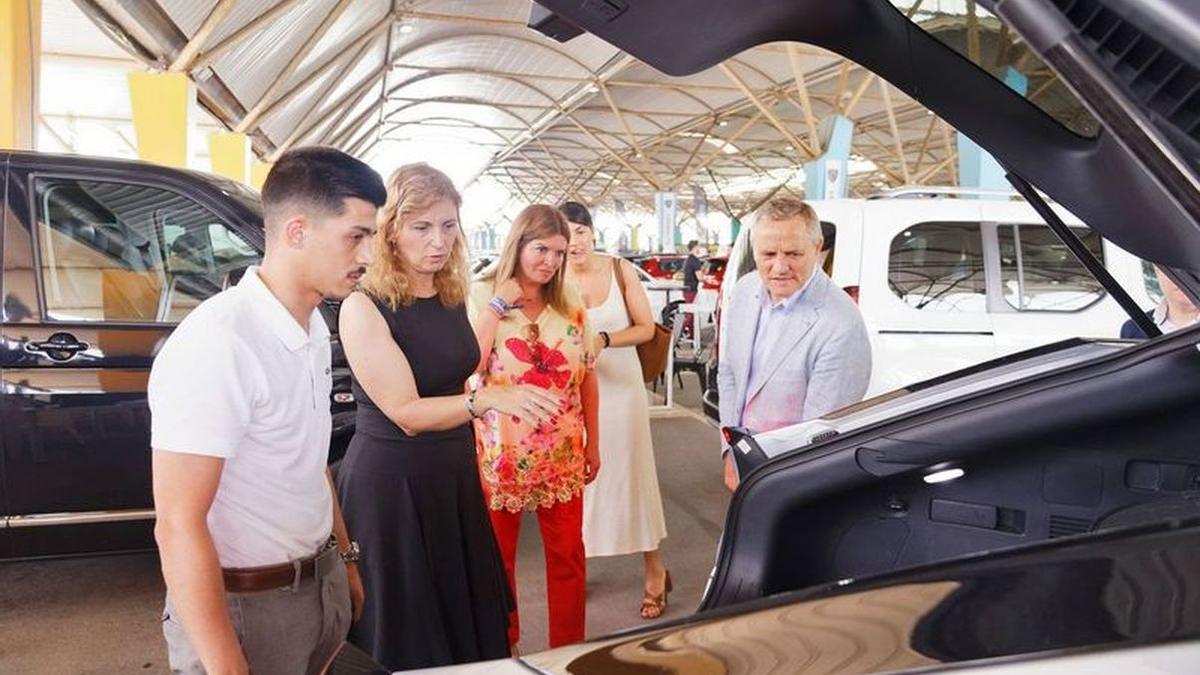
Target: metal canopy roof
point(545, 120)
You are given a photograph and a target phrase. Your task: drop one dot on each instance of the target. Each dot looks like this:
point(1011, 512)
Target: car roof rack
point(942, 192)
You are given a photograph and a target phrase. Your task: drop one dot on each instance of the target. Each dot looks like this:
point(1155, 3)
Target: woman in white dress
point(622, 508)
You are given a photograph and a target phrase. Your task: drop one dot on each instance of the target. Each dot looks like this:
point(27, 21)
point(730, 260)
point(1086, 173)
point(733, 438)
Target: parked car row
point(102, 258)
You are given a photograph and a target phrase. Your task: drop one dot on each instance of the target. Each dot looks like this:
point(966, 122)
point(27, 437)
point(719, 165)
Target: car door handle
point(58, 347)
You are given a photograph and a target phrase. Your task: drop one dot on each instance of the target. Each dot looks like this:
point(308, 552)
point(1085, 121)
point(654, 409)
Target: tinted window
point(130, 253)
point(1150, 279)
point(939, 267)
point(1039, 273)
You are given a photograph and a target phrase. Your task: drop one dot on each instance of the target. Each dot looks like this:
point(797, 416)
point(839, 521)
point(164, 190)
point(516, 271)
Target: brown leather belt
point(270, 577)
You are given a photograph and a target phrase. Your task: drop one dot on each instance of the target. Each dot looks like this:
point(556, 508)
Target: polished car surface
point(102, 258)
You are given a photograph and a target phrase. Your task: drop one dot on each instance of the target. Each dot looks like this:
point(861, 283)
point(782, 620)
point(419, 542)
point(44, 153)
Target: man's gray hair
point(788, 208)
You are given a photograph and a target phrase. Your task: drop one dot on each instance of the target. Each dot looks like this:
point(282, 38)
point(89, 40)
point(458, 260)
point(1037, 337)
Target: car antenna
point(1085, 256)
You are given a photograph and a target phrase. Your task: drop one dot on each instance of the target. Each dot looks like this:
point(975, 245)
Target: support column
point(258, 173)
point(827, 177)
point(231, 155)
point(666, 214)
point(20, 54)
point(976, 167)
point(163, 105)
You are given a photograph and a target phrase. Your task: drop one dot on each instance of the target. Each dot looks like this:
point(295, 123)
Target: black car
point(1034, 514)
point(102, 258)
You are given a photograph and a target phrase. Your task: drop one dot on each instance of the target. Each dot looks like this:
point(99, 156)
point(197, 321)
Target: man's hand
point(731, 479)
point(357, 595)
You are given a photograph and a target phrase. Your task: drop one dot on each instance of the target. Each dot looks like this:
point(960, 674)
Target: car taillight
point(852, 291)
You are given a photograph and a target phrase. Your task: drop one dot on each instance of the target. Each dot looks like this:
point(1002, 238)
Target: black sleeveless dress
point(434, 579)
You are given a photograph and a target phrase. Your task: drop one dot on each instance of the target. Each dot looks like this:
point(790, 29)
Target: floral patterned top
point(526, 467)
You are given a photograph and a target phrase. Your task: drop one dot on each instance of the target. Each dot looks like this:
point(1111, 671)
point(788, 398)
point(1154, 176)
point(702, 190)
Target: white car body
point(952, 330)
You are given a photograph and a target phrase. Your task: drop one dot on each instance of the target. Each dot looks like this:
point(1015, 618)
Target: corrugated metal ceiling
point(470, 73)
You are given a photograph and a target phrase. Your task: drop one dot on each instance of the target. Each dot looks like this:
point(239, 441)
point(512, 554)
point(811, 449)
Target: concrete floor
point(102, 614)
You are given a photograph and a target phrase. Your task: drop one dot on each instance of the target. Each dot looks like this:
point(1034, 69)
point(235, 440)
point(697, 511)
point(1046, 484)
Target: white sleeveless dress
point(622, 508)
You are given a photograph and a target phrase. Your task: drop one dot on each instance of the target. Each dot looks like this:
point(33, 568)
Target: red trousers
point(566, 568)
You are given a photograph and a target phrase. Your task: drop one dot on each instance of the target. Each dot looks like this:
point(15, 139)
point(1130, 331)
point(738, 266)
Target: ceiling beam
point(814, 135)
point(552, 117)
point(250, 119)
point(183, 61)
point(242, 33)
point(362, 45)
point(319, 98)
point(884, 91)
point(767, 112)
point(340, 107)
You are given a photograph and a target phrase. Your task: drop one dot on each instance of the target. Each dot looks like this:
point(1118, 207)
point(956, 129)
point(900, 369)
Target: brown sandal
point(653, 606)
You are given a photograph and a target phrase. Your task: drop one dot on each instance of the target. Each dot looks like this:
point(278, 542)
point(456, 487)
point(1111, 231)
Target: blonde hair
point(411, 190)
point(788, 208)
point(537, 221)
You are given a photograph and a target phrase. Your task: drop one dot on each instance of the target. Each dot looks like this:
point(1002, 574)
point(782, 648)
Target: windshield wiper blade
point(1097, 268)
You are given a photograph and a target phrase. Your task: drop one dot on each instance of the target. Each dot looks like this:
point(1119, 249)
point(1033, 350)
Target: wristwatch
point(352, 554)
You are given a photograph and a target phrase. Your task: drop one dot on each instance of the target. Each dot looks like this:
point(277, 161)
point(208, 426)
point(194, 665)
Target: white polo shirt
point(240, 379)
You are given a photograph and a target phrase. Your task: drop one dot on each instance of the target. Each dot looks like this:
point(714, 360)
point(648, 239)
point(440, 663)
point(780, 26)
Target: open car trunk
point(1134, 63)
point(1107, 442)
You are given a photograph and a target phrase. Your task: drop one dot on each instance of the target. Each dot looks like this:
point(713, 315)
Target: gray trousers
point(284, 631)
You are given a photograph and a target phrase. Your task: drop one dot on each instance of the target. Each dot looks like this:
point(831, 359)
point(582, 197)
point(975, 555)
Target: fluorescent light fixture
point(943, 476)
point(725, 146)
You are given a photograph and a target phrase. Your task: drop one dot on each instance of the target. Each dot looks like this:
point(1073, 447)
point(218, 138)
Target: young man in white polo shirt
point(249, 530)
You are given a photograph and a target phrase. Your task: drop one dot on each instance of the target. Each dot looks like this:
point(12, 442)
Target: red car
point(662, 266)
point(713, 273)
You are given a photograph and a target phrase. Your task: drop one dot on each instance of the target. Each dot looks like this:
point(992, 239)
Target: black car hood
point(1135, 183)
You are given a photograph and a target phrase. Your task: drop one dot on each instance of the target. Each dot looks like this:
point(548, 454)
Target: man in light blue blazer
point(794, 346)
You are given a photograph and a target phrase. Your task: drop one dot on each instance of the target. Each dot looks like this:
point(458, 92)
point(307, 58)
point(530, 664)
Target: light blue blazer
point(822, 362)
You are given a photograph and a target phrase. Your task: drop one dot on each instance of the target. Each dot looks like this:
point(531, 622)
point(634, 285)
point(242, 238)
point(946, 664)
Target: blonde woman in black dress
point(409, 486)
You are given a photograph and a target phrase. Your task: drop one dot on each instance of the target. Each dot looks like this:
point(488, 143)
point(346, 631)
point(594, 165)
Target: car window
point(1150, 279)
point(971, 30)
point(1038, 273)
point(938, 267)
point(130, 253)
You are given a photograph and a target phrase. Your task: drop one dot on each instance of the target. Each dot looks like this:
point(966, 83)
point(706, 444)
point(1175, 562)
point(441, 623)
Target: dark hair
point(576, 213)
point(321, 178)
point(692, 244)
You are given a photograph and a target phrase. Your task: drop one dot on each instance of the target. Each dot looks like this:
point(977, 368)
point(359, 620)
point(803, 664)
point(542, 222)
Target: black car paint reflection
point(1121, 588)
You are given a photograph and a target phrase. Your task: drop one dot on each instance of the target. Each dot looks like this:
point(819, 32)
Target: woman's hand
point(591, 454)
point(533, 405)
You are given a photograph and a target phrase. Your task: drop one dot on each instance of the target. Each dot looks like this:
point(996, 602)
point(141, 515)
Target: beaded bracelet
point(499, 306)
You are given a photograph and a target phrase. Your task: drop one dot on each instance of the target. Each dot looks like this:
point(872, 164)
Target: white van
point(947, 278)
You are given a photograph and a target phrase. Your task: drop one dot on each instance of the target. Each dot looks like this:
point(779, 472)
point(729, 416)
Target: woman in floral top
point(533, 330)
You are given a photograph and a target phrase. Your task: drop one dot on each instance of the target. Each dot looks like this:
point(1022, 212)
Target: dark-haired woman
point(622, 508)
